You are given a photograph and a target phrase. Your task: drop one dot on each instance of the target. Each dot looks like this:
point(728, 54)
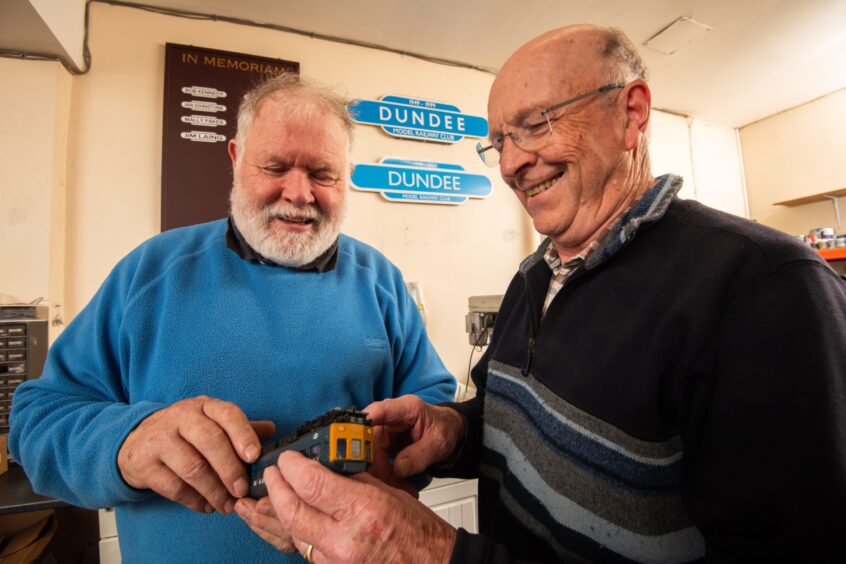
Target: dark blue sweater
point(683, 397)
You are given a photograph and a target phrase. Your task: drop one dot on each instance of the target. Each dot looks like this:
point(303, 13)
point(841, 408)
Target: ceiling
point(759, 58)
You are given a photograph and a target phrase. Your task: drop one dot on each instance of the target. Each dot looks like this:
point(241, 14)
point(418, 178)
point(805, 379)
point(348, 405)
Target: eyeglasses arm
point(599, 90)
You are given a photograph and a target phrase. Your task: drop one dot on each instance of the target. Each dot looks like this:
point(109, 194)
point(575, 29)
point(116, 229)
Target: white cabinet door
point(454, 500)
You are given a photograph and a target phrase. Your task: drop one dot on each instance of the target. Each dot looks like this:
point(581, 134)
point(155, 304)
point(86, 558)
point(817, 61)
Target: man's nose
point(297, 188)
point(513, 158)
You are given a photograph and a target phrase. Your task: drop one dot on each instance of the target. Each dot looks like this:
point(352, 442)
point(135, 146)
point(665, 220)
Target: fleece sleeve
point(67, 426)
point(765, 448)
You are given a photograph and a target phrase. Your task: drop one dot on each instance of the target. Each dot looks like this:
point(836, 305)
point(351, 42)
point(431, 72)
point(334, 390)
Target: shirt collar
point(236, 242)
point(550, 255)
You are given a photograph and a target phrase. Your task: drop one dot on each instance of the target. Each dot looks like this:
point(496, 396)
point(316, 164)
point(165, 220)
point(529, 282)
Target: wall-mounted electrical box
point(480, 318)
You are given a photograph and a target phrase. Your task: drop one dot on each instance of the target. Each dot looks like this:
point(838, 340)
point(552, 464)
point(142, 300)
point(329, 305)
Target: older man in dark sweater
point(665, 382)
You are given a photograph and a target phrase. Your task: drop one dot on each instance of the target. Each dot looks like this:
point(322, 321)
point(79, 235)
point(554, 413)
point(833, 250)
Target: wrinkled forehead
point(540, 76)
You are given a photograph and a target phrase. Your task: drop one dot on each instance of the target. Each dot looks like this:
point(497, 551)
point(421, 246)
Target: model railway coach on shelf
point(341, 439)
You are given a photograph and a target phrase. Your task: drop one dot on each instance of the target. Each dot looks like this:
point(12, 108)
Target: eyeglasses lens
point(488, 154)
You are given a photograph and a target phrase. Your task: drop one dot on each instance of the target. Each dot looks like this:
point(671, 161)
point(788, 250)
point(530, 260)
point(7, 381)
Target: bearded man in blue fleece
point(204, 338)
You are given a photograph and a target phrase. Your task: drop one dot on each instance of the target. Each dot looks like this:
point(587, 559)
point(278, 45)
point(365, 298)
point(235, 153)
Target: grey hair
point(300, 94)
point(623, 64)
point(624, 61)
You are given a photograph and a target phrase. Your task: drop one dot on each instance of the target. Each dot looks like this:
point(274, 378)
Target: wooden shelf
point(832, 196)
point(833, 254)
point(821, 197)
point(16, 495)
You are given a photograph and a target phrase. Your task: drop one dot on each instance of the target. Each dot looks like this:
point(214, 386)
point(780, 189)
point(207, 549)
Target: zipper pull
point(528, 366)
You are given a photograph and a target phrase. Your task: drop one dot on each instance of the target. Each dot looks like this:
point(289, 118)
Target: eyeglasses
point(537, 131)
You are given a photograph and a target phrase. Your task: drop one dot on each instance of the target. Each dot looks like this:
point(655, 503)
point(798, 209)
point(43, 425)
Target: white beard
point(254, 221)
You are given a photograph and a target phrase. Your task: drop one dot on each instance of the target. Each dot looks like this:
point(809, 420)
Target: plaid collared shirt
point(561, 271)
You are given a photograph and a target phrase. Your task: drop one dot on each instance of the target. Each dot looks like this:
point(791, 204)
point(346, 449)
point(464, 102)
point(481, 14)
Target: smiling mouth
point(543, 186)
point(295, 219)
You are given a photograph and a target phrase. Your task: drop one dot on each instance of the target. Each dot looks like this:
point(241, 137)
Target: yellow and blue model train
point(341, 439)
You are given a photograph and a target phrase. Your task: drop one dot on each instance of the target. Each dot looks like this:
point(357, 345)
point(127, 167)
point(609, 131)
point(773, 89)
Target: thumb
point(442, 436)
point(417, 457)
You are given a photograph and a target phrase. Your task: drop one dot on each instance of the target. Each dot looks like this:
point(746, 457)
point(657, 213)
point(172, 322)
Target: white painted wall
point(707, 156)
point(794, 154)
point(718, 167)
point(669, 149)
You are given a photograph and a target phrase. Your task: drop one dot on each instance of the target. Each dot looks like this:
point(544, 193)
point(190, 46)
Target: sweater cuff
point(476, 548)
point(133, 417)
point(463, 548)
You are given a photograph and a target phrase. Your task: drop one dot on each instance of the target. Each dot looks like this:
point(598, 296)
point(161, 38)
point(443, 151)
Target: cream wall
point(794, 154)
point(115, 154)
point(34, 113)
point(113, 167)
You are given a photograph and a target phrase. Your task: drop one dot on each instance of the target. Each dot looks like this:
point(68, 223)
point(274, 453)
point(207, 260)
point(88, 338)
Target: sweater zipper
point(534, 332)
point(527, 367)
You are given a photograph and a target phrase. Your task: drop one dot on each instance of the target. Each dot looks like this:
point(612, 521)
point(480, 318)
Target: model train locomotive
point(341, 439)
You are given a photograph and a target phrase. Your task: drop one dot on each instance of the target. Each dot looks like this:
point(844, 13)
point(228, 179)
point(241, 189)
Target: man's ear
point(638, 106)
point(232, 147)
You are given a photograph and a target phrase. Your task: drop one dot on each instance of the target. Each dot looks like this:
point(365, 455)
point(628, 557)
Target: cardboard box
point(22, 544)
point(4, 454)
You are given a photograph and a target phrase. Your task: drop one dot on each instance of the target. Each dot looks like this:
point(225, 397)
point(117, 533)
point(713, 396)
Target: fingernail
point(251, 452)
point(402, 468)
point(241, 488)
point(229, 506)
point(208, 508)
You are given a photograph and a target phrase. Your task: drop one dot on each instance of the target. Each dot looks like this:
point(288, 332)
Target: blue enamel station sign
point(414, 118)
point(404, 180)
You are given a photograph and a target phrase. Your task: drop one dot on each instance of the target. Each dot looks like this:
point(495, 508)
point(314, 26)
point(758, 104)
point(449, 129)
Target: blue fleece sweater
point(182, 316)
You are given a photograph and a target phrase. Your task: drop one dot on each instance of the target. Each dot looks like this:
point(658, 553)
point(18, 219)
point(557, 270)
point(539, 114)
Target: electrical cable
point(86, 53)
point(479, 340)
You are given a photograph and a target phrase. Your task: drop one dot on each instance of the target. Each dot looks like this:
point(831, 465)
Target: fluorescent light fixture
point(676, 35)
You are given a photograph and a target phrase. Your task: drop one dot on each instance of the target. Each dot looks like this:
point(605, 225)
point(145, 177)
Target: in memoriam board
point(202, 91)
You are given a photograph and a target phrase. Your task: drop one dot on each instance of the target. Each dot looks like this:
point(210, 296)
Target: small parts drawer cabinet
point(23, 348)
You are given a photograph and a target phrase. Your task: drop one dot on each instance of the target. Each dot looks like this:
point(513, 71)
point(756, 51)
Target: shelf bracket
point(835, 200)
